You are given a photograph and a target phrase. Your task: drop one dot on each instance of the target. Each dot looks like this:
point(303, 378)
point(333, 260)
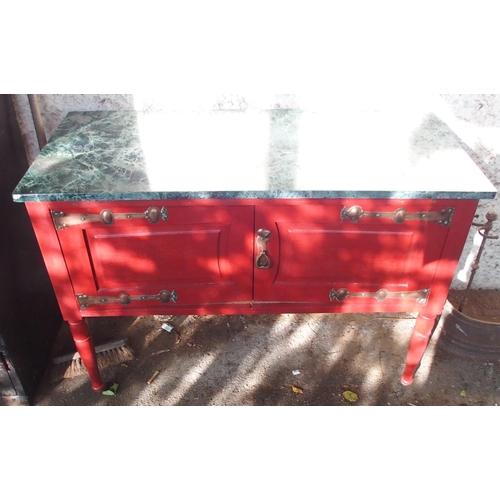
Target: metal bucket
point(466, 337)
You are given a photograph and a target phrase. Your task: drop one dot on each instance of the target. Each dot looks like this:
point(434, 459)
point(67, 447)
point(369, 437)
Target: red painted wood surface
point(206, 251)
point(445, 270)
point(85, 346)
point(313, 251)
point(54, 261)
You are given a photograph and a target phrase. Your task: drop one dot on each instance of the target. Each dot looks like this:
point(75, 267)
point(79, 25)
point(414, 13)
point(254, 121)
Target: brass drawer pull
point(63, 220)
point(124, 299)
point(419, 296)
point(263, 261)
point(355, 213)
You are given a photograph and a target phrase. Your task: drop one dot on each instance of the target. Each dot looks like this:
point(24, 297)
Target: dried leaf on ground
point(297, 390)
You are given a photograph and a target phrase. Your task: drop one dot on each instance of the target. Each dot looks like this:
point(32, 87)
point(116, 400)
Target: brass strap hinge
point(355, 213)
point(124, 299)
point(419, 296)
point(63, 220)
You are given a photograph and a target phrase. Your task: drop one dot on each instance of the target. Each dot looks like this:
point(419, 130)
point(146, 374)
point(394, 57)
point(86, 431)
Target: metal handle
point(355, 213)
point(63, 220)
point(263, 261)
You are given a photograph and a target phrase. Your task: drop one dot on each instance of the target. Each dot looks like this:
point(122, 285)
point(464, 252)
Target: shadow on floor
point(273, 360)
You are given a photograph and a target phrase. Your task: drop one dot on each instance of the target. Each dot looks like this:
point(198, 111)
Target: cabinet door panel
point(140, 258)
point(371, 257)
point(313, 251)
point(204, 253)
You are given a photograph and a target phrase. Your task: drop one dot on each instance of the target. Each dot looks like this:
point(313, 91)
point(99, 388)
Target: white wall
point(474, 117)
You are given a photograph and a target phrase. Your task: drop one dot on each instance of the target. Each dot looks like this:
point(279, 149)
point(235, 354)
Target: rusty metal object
point(466, 337)
point(125, 299)
point(342, 294)
point(461, 335)
point(63, 220)
point(483, 230)
point(355, 213)
point(263, 261)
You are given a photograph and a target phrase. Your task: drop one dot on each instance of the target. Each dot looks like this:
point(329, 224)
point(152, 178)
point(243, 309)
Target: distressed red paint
point(206, 251)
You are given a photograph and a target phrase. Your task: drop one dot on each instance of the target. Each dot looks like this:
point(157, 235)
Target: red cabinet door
point(202, 252)
point(312, 251)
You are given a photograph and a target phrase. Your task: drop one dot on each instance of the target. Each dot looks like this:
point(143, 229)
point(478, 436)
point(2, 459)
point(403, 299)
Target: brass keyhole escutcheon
point(263, 261)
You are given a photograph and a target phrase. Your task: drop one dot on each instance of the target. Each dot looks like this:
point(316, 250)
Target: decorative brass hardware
point(355, 213)
point(419, 296)
point(63, 220)
point(263, 261)
point(125, 299)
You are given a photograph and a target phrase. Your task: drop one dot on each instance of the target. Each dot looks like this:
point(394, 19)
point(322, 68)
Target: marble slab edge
point(227, 195)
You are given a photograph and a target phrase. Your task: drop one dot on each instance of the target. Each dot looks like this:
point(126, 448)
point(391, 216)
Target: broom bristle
point(114, 356)
point(105, 358)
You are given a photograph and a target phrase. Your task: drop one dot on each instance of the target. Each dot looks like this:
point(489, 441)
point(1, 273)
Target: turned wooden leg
point(418, 343)
point(85, 347)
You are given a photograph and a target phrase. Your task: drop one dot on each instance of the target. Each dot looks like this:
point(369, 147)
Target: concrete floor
point(272, 360)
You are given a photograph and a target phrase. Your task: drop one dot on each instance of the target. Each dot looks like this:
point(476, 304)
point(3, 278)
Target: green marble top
point(128, 155)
